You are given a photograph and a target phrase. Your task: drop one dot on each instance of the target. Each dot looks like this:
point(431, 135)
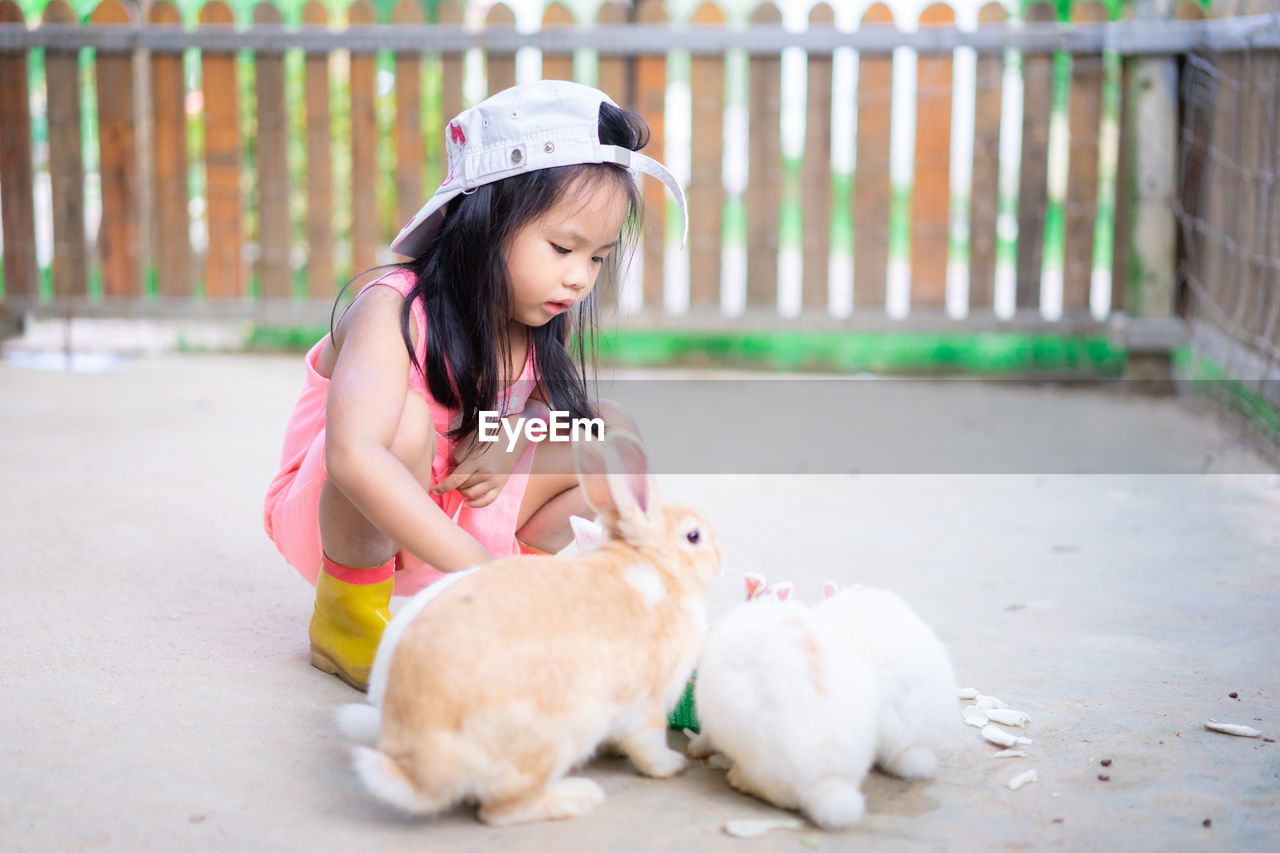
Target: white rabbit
point(917, 686)
point(757, 586)
point(790, 708)
point(495, 687)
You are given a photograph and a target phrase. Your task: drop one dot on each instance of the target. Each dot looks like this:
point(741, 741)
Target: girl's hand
point(481, 469)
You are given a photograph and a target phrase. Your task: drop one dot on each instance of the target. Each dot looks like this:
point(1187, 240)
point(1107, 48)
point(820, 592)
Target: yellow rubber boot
point(530, 551)
point(348, 623)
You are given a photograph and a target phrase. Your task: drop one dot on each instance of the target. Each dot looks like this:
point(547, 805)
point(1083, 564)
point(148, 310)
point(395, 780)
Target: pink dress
point(291, 512)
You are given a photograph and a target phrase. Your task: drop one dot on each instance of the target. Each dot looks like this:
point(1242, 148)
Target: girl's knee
point(415, 440)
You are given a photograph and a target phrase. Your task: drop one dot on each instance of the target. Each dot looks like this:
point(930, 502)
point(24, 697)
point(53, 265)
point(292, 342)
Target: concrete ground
point(157, 693)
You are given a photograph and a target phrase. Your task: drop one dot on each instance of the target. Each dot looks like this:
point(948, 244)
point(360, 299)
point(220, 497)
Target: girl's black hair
point(461, 278)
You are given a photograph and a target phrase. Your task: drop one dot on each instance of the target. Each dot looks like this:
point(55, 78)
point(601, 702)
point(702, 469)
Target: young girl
point(383, 484)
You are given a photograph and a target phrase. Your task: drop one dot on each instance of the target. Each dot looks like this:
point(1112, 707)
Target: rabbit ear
point(829, 588)
point(613, 474)
point(782, 591)
point(755, 585)
point(587, 534)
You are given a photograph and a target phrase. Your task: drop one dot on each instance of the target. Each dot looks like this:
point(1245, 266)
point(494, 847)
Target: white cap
point(533, 126)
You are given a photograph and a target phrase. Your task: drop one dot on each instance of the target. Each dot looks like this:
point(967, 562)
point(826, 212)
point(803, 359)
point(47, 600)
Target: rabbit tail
point(388, 781)
point(360, 722)
point(833, 803)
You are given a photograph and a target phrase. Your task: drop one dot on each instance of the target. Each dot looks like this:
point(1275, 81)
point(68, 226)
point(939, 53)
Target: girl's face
point(553, 261)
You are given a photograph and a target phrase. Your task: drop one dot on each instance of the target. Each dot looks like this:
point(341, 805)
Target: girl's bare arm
point(365, 414)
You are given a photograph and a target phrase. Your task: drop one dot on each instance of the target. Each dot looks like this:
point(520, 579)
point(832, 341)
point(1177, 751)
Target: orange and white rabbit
point(514, 674)
point(362, 721)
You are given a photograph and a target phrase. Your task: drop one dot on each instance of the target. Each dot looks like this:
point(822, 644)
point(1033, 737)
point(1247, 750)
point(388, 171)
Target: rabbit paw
point(740, 781)
point(573, 797)
point(649, 752)
point(916, 762)
point(568, 798)
point(699, 747)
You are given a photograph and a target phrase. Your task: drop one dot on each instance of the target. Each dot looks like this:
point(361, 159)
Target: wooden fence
point(228, 184)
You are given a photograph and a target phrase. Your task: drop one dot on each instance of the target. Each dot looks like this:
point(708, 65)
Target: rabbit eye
point(693, 536)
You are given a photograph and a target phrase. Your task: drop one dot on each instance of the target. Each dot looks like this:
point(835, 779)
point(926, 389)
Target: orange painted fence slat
point(274, 231)
point(985, 194)
point(118, 238)
point(1033, 191)
point(224, 274)
point(366, 235)
point(17, 216)
point(1084, 120)
point(66, 161)
point(451, 71)
point(930, 189)
point(612, 71)
point(409, 143)
point(500, 65)
point(871, 176)
point(171, 228)
point(320, 272)
point(614, 74)
point(706, 188)
point(650, 102)
point(557, 66)
point(816, 201)
point(764, 170)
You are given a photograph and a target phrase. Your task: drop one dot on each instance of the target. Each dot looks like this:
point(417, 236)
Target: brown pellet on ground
point(1104, 777)
point(1208, 822)
point(1106, 762)
point(1234, 695)
point(1057, 820)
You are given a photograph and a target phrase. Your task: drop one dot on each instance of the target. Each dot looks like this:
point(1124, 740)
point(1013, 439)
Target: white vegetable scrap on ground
point(1000, 737)
point(1232, 729)
point(989, 713)
point(758, 827)
point(1008, 717)
point(1009, 753)
point(1023, 778)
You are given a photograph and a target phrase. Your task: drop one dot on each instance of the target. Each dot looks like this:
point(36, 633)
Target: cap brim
point(414, 237)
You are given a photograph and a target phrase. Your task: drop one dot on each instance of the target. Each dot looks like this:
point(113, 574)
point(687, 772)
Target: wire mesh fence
point(1228, 212)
